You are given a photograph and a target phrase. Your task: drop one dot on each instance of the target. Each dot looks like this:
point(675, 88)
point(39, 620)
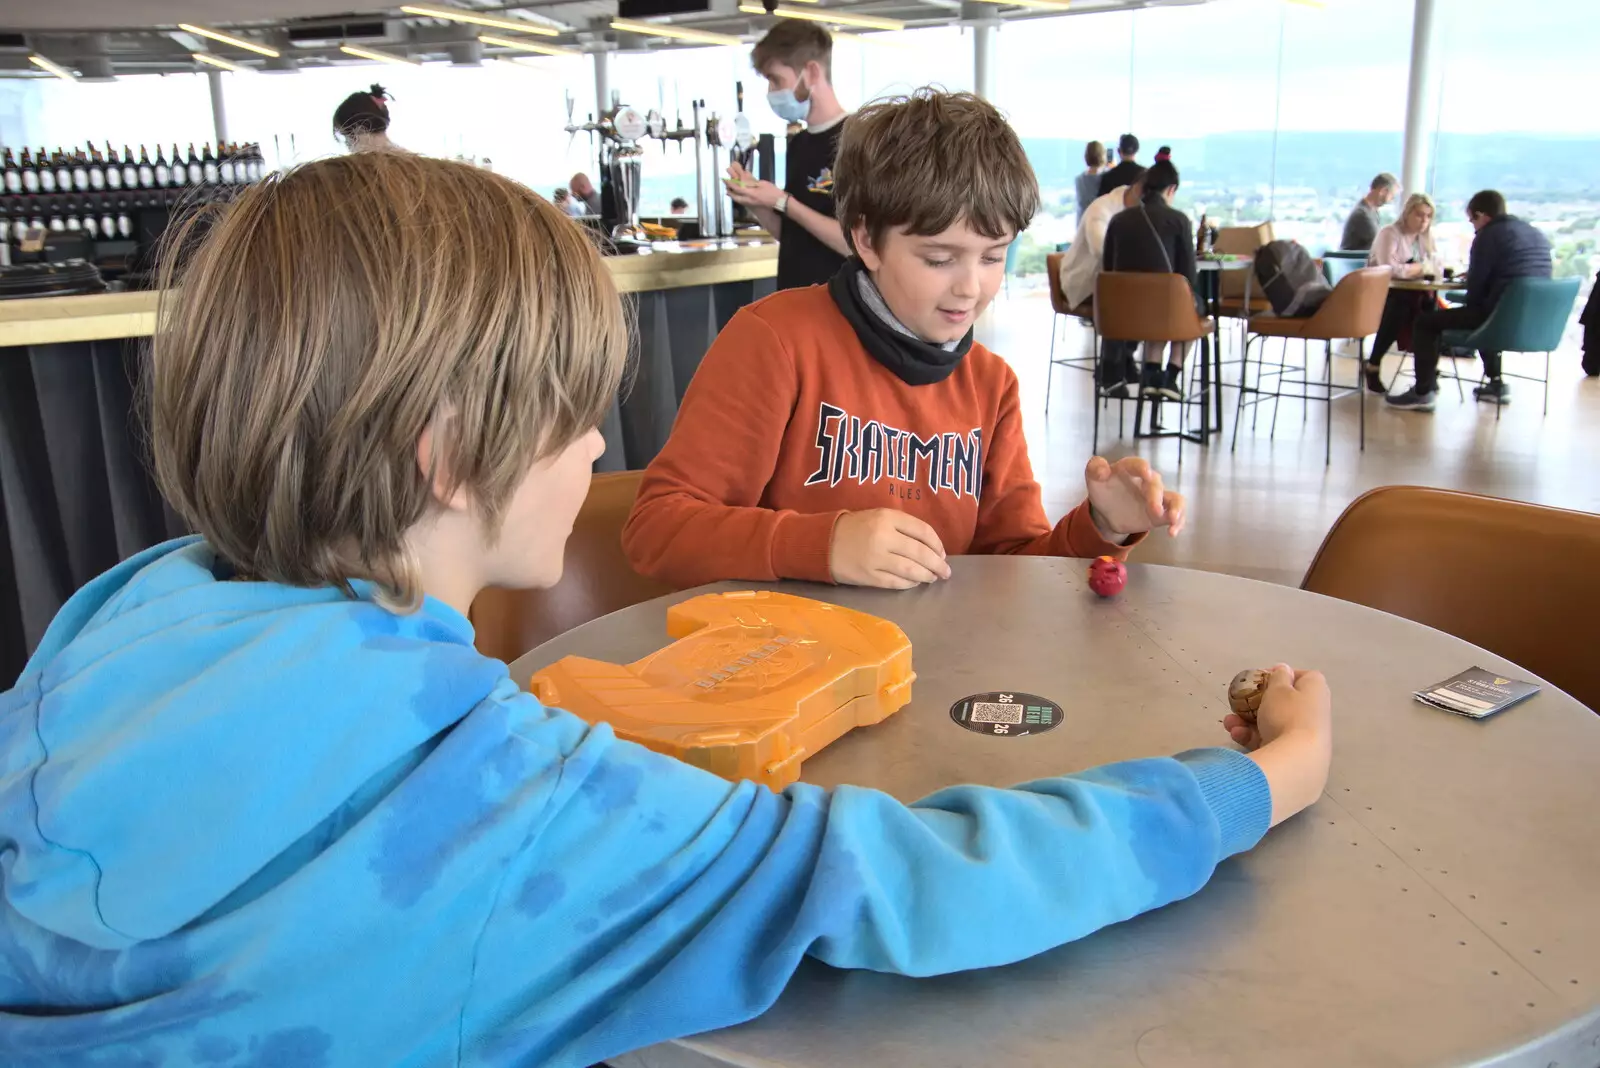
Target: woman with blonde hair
point(1407, 247)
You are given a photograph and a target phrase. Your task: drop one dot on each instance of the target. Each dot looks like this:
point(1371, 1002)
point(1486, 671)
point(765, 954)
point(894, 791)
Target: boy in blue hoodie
point(261, 803)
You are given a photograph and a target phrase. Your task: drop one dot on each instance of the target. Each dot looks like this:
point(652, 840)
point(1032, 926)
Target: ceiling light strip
point(381, 57)
point(218, 61)
point(54, 68)
point(237, 42)
point(1041, 5)
point(833, 18)
point(678, 33)
point(457, 15)
point(527, 46)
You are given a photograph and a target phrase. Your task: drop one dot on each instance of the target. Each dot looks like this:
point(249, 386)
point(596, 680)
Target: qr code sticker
point(990, 712)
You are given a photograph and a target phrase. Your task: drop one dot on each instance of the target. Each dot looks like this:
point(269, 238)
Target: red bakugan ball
point(1107, 576)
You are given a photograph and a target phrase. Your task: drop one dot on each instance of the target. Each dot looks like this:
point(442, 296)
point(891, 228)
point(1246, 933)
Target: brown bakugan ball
point(1245, 693)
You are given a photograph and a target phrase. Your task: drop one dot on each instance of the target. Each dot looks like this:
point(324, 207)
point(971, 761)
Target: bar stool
point(1155, 308)
point(1353, 309)
point(1060, 307)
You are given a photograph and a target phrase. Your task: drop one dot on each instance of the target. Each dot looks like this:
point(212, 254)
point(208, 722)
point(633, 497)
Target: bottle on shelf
point(13, 174)
point(124, 223)
point(30, 174)
point(147, 172)
point(19, 225)
point(70, 216)
point(196, 172)
point(208, 166)
point(80, 172)
point(97, 169)
point(91, 222)
point(47, 172)
point(113, 168)
point(130, 170)
point(225, 154)
point(163, 173)
point(63, 172)
point(108, 222)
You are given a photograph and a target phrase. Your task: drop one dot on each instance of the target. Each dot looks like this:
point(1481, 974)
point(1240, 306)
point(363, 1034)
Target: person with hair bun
point(362, 120)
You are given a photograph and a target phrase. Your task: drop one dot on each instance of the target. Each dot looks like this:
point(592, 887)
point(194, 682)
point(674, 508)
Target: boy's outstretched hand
point(887, 548)
point(1291, 739)
point(1127, 498)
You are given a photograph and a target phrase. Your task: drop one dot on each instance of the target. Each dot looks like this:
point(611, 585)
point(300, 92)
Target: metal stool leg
point(1327, 368)
point(1244, 387)
point(1361, 388)
point(1049, 375)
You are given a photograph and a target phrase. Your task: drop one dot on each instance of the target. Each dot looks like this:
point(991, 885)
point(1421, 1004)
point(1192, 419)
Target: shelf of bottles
point(83, 190)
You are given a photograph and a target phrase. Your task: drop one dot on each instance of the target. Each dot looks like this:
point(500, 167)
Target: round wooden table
point(1440, 905)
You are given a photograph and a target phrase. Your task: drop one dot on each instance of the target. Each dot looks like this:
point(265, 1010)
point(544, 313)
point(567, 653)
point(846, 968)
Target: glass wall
point(1534, 138)
point(1273, 110)
point(130, 111)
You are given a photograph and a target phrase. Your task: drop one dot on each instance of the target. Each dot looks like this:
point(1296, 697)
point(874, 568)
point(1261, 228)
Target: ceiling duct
point(323, 33)
point(466, 54)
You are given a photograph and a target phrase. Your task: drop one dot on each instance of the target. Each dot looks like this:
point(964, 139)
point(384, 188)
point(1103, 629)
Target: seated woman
point(1155, 236)
point(1406, 245)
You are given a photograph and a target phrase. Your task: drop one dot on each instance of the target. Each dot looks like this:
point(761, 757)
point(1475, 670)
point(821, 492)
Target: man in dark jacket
point(1505, 248)
point(1127, 171)
point(1155, 236)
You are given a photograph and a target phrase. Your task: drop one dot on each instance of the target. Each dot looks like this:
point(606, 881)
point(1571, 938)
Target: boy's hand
point(745, 188)
point(887, 548)
point(1127, 498)
point(1292, 738)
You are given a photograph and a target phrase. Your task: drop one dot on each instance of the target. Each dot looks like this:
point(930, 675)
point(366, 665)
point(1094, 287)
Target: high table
point(1440, 905)
point(75, 492)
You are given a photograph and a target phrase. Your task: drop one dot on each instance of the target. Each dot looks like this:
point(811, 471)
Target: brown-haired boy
point(796, 58)
point(856, 433)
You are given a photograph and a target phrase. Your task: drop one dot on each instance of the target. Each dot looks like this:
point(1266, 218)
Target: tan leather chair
point(1231, 285)
point(1153, 306)
point(1058, 304)
point(1517, 579)
point(598, 579)
point(1146, 306)
point(1353, 309)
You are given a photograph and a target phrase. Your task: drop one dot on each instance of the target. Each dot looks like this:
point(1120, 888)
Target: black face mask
point(914, 361)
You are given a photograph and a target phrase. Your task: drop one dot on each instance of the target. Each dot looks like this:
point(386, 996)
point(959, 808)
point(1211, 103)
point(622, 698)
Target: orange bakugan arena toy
point(755, 683)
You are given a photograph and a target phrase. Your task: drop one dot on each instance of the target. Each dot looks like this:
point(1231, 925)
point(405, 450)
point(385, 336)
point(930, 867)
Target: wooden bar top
point(53, 320)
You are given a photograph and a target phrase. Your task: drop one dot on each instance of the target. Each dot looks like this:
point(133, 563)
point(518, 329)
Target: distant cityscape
point(1553, 182)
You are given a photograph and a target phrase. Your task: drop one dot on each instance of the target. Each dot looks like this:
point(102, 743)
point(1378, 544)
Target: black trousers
point(1117, 363)
point(1425, 343)
point(1399, 309)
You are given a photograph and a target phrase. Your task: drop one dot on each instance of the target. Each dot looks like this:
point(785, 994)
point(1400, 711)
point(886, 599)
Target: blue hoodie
point(249, 825)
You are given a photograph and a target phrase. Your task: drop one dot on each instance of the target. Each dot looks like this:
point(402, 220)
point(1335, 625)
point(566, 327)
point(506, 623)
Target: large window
point(1273, 110)
point(1533, 136)
point(144, 110)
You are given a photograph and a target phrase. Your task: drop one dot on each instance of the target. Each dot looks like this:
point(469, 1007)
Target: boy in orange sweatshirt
point(854, 432)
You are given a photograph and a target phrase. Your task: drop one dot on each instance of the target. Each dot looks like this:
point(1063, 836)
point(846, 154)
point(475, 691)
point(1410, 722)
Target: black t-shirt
point(1125, 173)
point(808, 178)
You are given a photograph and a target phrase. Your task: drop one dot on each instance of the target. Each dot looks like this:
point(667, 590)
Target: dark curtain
point(77, 496)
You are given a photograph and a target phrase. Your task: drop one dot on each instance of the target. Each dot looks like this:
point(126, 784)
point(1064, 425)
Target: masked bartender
point(796, 58)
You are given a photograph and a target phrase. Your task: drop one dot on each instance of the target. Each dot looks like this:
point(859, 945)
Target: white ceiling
point(70, 15)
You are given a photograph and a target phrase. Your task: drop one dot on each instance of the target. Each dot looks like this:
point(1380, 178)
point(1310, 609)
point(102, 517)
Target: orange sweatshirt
point(789, 423)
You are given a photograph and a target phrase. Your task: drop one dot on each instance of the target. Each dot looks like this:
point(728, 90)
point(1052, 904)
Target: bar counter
point(55, 320)
point(76, 495)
